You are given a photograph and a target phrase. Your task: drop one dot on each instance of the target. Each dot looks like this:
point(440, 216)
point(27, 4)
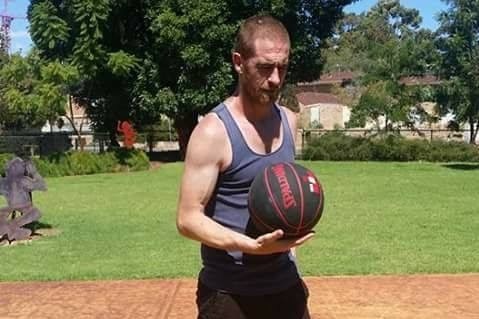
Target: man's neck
point(252, 111)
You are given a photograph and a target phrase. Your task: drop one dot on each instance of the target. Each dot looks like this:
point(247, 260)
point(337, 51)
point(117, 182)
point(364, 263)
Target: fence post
point(302, 143)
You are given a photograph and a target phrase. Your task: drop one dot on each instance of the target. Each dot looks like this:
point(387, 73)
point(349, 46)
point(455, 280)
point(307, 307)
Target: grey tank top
point(234, 271)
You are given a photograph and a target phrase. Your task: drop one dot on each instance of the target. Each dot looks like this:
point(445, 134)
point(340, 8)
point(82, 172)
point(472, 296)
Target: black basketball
point(286, 196)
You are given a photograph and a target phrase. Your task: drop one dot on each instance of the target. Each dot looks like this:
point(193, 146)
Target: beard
point(261, 95)
point(267, 96)
point(270, 95)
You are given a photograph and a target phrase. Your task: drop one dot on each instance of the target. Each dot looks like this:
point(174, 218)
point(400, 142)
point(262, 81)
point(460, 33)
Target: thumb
point(270, 237)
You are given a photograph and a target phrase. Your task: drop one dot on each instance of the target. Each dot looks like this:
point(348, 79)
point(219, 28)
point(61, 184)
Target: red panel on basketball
point(286, 196)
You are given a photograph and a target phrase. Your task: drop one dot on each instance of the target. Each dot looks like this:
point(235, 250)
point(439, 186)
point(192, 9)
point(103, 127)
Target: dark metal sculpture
point(21, 179)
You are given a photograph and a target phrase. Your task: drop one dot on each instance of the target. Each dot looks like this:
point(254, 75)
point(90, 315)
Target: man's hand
point(271, 243)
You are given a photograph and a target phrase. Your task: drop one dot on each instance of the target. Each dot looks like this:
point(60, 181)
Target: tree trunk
point(184, 127)
point(473, 127)
point(113, 138)
point(71, 119)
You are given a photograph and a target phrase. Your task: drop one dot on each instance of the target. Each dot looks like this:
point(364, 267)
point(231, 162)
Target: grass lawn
point(379, 218)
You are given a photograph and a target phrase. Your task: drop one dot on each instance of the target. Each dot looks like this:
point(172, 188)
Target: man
point(244, 275)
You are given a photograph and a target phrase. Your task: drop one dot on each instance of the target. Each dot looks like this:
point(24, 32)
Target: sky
point(428, 9)
point(21, 40)
point(19, 28)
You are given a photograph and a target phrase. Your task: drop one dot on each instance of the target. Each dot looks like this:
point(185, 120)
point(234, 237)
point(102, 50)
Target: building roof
point(346, 76)
point(420, 80)
point(331, 78)
point(336, 77)
point(312, 98)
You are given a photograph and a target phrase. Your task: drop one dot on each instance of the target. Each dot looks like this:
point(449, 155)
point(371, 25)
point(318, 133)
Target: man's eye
point(265, 67)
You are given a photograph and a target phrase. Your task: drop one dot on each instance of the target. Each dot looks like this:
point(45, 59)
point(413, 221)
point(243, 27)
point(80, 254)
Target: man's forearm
point(210, 233)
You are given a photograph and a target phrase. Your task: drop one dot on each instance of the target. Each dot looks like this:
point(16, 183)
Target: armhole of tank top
point(228, 133)
point(287, 132)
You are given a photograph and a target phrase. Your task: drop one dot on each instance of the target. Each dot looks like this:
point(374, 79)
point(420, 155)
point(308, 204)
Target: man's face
point(263, 73)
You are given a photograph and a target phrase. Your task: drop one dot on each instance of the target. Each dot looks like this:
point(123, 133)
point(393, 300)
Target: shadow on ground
point(165, 156)
point(463, 167)
point(38, 229)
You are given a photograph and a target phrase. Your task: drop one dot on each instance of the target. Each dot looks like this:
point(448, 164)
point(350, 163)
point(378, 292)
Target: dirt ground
point(397, 297)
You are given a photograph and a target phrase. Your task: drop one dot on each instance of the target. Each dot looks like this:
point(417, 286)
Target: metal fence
point(49, 143)
point(165, 141)
point(428, 134)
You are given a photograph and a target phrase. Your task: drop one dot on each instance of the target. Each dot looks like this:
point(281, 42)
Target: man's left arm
point(293, 125)
point(292, 121)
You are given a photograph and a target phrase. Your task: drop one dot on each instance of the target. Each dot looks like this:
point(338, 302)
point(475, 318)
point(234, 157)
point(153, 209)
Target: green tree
point(343, 52)
point(190, 69)
point(105, 40)
point(381, 47)
point(458, 43)
point(141, 59)
point(33, 91)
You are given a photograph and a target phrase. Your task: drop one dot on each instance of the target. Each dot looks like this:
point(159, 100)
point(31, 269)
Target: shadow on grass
point(38, 225)
point(463, 167)
point(166, 156)
point(38, 229)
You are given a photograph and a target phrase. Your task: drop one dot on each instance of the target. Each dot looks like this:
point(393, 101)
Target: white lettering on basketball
point(286, 193)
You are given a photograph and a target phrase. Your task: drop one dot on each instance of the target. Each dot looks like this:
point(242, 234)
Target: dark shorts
point(288, 304)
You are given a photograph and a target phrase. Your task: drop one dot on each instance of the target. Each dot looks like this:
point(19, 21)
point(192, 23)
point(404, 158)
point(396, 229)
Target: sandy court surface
point(401, 297)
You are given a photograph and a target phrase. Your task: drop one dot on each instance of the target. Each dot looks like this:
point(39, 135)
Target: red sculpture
point(129, 133)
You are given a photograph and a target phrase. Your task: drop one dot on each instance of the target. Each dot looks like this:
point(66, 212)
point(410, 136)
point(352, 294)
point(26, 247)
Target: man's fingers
point(303, 239)
point(269, 237)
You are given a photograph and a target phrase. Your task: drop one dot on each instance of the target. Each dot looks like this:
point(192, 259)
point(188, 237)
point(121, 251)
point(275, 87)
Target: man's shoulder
point(291, 115)
point(218, 108)
point(210, 126)
point(287, 110)
point(208, 142)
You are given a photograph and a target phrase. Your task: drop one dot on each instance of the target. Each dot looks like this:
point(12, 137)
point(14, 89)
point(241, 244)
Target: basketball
point(285, 196)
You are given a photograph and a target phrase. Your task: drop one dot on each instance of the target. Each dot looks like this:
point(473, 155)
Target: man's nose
point(275, 77)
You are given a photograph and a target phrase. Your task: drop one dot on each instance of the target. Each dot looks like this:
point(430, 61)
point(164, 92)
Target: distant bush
point(335, 146)
point(132, 160)
point(4, 158)
point(83, 163)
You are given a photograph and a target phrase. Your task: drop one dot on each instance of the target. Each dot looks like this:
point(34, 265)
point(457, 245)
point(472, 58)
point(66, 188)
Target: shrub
point(4, 159)
point(132, 160)
point(336, 146)
point(82, 163)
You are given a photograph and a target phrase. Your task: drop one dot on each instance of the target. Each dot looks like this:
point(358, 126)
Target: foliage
point(288, 98)
point(4, 159)
point(106, 41)
point(160, 132)
point(194, 40)
point(85, 163)
point(335, 146)
point(33, 91)
point(459, 68)
point(133, 160)
point(382, 47)
point(143, 59)
point(53, 37)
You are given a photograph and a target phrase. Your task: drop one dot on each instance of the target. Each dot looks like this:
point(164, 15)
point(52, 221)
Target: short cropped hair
point(255, 27)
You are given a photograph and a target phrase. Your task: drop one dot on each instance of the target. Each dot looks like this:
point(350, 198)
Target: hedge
point(83, 163)
point(335, 146)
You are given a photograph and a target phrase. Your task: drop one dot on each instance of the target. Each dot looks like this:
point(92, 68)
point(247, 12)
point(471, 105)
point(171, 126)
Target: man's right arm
point(206, 155)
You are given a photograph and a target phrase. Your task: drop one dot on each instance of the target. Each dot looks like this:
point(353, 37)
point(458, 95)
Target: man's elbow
point(183, 227)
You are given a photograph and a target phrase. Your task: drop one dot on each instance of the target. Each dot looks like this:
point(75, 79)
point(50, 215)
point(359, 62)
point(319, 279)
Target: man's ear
point(237, 62)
